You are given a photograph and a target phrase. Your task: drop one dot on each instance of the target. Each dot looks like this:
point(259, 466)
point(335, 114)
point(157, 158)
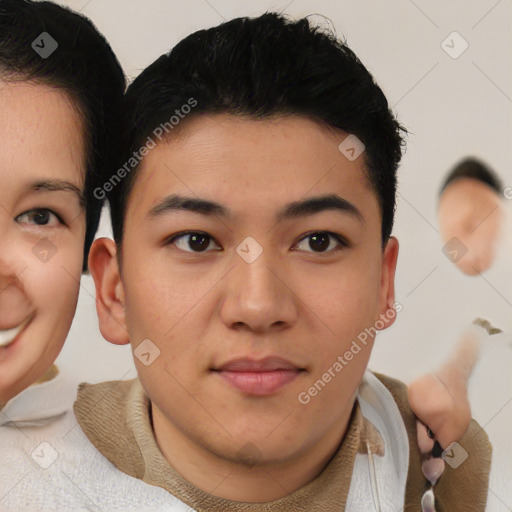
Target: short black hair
point(475, 169)
point(83, 66)
point(260, 67)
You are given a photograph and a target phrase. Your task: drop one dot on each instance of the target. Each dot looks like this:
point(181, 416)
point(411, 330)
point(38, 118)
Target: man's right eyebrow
point(317, 204)
point(177, 202)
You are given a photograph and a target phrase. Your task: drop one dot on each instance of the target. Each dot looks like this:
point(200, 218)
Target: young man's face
point(42, 229)
point(251, 300)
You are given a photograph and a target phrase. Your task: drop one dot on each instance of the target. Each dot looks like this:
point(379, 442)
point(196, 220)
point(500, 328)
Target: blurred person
point(471, 215)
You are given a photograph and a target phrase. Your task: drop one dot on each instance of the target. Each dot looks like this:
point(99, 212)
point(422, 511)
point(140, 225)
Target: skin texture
point(204, 309)
point(471, 211)
point(41, 142)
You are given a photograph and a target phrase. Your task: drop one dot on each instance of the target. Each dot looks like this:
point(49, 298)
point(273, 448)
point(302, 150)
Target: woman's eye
point(40, 217)
point(193, 242)
point(321, 241)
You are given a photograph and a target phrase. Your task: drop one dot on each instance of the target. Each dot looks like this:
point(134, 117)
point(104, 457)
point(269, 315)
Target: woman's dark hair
point(260, 67)
point(82, 65)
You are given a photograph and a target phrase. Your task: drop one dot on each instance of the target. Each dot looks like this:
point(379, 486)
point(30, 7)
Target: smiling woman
point(59, 86)
point(42, 174)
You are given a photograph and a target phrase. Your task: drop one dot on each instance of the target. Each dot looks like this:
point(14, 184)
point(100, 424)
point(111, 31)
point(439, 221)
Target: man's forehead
point(228, 170)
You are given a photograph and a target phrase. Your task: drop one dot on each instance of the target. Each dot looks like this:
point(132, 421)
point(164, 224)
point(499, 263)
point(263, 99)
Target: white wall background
point(452, 107)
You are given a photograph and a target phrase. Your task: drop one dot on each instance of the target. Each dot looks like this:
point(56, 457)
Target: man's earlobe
point(104, 269)
point(387, 299)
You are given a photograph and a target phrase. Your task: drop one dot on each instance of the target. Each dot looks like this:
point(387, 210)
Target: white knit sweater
point(53, 466)
point(48, 464)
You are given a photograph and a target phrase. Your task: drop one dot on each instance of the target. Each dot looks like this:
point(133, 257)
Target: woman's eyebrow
point(301, 208)
point(56, 185)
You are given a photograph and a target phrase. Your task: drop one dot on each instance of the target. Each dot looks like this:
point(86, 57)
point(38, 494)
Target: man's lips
point(7, 336)
point(258, 377)
point(268, 364)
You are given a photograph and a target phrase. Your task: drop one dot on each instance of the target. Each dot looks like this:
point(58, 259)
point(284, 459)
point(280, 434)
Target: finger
point(425, 443)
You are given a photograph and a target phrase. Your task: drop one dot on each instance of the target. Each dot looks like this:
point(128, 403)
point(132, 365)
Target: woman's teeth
point(7, 336)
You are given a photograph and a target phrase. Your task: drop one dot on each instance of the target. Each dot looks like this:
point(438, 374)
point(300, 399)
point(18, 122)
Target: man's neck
point(258, 481)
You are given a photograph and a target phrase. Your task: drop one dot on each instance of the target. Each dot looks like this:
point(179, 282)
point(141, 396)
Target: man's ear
point(387, 285)
point(104, 269)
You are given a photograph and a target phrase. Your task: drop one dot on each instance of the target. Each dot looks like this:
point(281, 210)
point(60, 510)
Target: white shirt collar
point(39, 403)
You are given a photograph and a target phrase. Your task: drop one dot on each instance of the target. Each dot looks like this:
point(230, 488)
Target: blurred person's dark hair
point(475, 169)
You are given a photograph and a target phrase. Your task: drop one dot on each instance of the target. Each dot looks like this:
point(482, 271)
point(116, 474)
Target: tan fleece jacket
point(116, 417)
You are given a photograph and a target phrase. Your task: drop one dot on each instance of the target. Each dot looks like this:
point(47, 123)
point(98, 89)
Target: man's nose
point(258, 298)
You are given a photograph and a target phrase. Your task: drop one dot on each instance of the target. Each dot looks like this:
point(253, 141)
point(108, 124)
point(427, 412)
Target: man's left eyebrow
point(319, 204)
point(54, 185)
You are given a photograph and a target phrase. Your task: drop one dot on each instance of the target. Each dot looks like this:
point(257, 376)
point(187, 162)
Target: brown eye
point(192, 241)
point(321, 242)
point(39, 217)
point(198, 242)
